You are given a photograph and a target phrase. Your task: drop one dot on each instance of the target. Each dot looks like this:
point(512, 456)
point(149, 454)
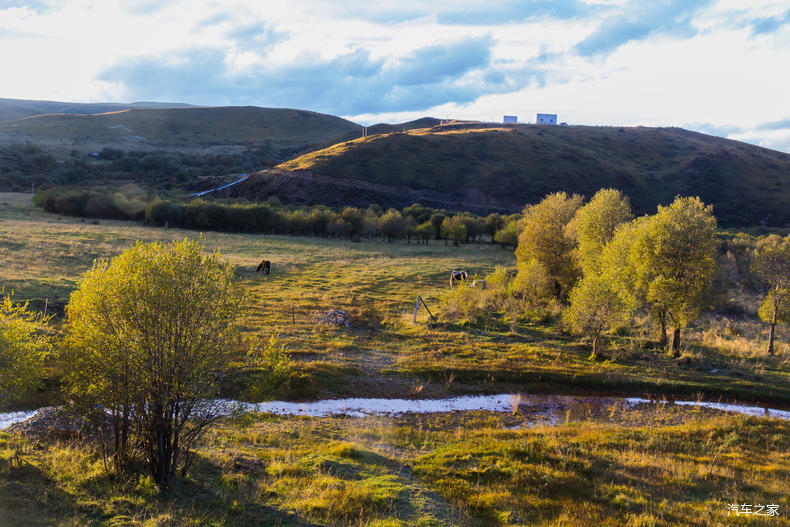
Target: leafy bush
point(23, 347)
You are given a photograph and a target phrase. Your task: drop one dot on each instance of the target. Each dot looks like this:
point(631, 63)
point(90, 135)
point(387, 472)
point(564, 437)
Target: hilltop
point(488, 166)
point(18, 108)
point(190, 128)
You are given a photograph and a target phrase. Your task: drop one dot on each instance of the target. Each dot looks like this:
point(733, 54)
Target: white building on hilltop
point(546, 118)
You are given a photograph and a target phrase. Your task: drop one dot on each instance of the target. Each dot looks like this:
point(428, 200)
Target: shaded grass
point(650, 466)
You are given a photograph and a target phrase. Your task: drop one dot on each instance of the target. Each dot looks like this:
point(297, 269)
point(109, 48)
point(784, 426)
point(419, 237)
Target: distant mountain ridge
point(18, 108)
point(224, 129)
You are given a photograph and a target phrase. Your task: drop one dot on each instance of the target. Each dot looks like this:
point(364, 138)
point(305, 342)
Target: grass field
point(384, 354)
point(655, 466)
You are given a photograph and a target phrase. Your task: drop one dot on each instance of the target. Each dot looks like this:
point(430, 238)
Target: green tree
point(418, 212)
point(353, 217)
point(392, 225)
point(673, 261)
point(594, 225)
point(424, 231)
point(771, 264)
point(475, 227)
point(23, 347)
point(532, 283)
point(493, 223)
point(508, 235)
point(618, 261)
point(543, 237)
point(150, 335)
point(595, 306)
point(436, 219)
point(454, 228)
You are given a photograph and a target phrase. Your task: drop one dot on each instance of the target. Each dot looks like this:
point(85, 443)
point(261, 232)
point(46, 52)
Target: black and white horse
point(457, 275)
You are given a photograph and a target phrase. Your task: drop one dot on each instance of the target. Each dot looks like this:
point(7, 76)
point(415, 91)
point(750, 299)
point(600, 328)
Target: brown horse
point(264, 266)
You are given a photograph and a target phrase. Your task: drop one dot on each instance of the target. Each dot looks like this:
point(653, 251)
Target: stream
point(549, 408)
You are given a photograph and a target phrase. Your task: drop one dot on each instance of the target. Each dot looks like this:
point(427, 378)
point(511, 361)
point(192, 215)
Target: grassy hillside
point(18, 108)
point(187, 126)
point(508, 167)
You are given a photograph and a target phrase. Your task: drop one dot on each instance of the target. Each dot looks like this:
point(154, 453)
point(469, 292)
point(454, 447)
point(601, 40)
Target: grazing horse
point(264, 266)
point(458, 276)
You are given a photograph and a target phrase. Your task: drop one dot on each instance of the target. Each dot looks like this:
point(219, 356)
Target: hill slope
point(18, 108)
point(183, 126)
point(509, 167)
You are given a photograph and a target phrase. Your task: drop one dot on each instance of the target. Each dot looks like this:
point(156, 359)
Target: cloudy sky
point(717, 66)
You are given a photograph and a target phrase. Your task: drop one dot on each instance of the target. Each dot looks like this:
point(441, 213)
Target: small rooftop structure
point(546, 118)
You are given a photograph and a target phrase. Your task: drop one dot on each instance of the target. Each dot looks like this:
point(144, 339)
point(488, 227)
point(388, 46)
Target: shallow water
point(546, 408)
point(9, 418)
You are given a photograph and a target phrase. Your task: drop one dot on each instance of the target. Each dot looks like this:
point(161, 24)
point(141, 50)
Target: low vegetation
point(659, 465)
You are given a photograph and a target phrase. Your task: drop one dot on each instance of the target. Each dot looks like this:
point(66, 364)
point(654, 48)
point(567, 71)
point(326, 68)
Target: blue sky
point(717, 66)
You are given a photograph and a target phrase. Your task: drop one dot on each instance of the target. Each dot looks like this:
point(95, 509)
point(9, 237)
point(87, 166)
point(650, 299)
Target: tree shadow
point(28, 497)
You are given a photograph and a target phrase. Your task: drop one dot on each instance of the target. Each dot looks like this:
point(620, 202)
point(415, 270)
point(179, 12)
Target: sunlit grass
point(384, 354)
point(653, 466)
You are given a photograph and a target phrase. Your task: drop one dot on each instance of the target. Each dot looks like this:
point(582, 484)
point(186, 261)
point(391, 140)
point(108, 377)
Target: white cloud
point(675, 64)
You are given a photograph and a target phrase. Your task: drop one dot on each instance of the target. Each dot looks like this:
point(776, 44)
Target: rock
point(52, 422)
point(335, 318)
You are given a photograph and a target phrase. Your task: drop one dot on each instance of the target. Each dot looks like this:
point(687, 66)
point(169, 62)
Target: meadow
point(383, 353)
point(654, 467)
point(659, 465)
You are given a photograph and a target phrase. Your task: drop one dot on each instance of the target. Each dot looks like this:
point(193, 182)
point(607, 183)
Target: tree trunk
point(676, 342)
point(662, 321)
point(771, 335)
point(594, 354)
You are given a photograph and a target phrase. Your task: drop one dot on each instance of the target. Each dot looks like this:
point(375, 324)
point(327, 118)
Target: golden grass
point(652, 466)
point(377, 283)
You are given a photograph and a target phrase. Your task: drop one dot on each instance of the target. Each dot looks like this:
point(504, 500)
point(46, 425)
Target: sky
point(716, 66)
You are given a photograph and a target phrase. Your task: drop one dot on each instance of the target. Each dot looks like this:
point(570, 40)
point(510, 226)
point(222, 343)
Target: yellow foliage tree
point(23, 347)
point(150, 334)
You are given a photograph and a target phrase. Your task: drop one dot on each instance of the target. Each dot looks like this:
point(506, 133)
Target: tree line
point(23, 164)
point(599, 266)
point(415, 222)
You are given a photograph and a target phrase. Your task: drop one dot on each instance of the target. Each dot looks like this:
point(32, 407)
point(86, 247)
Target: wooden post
point(433, 318)
point(293, 316)
point(417, 309)
point(46, 304)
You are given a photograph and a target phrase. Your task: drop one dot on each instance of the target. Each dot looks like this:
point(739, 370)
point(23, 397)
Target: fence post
point(417, 310)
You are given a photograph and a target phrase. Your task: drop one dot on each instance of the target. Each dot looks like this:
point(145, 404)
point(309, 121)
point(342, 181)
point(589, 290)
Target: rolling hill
point(18, 108)
point(146, 128)
point(479, 167)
